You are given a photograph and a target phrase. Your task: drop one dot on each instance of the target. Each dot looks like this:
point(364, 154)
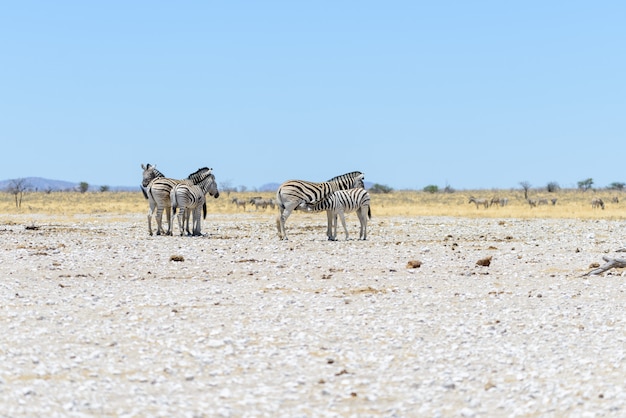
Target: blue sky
point(471, 94)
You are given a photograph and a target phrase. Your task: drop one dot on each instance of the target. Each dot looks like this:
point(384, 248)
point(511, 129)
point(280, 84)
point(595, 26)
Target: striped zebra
point(190, 198)
point(158, 191)
point(341, 202)
point(297, 194)
point(479, 202)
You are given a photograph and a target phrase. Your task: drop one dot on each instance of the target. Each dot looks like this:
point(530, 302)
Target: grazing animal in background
point(479, 202)
point(158, 190)
point(188, 198)
point(553, 200)
point(615, 199)
point(239, 203)
point(542, 202)
point(345, 201)
point(294, 194)
point(258, 202)
point(532, 203)
point(597, 203)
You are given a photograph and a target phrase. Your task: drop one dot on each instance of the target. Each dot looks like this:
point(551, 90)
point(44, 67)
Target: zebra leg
point(197, 222)
point(329, 229)
point(181, 220)
point(159, 219)
point(363, 221)
point(186, 222)
point(168, 215)
point(150, 214)
point(285, 211)
point(343, 222)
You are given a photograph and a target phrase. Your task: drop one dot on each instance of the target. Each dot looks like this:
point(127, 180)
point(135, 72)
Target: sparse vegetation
point(572, 204)
point(83, 186)
point(619, 186)
point(17, 188)
point(380, 188)
point(526, 187)
point(431, 189)
point(553, 187)
point(585, 185)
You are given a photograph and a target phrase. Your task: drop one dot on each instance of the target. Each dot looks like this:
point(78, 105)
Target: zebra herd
point(337, 196)
point(188, 195)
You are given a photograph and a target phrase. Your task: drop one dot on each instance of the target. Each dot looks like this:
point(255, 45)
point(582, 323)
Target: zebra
point(192, 197)
point(259, 202)
point(479, 202)
point(158, 192)
point(341, 202)
point(239, 202)
point(297, 194)
point(597, 203)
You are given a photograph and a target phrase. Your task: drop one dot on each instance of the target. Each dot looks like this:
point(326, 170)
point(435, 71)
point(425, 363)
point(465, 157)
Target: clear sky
point(470, 94)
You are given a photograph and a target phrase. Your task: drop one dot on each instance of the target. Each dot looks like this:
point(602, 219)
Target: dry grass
point(570, 204)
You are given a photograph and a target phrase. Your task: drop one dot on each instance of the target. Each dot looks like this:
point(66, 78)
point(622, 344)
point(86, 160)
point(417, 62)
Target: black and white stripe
point(158, 191)
point(341, 202)
point(188, 198)
point(295, 194)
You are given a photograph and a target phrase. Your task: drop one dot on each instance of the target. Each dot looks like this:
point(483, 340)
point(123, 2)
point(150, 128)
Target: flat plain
point(101, 319)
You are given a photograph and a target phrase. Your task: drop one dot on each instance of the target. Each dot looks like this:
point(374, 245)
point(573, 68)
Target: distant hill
point(39, 184)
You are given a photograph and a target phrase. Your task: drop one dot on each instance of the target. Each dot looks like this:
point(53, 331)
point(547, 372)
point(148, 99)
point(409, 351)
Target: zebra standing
point(294, 194)
point(341, 202)
point(192, 197)
point(158, 192)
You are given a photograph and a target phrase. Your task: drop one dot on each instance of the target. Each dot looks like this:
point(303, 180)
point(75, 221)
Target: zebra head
point(209, 185)
point(149, 173)
point(351, 180)
point(213, 187)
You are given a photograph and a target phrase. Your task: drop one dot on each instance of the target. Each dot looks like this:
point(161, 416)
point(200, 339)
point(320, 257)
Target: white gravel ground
point(97, 320)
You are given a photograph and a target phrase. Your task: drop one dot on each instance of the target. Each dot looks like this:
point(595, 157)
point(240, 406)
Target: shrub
point(380, 188)
point(553, 186)
point(431, 188)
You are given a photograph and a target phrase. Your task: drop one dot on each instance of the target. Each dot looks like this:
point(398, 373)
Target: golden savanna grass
point(570, 204)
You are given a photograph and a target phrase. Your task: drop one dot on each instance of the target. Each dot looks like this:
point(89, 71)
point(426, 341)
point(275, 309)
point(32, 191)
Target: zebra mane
point(204, 171)
point(351, 175)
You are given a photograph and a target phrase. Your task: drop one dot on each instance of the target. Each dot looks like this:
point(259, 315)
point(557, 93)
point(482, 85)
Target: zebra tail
point(204, 210)
point(369, 212)
point(143, 190)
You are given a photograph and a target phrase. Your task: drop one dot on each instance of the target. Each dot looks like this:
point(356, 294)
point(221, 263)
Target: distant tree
point(380, 188)
point(526, 187)
point(17, 188)
point(431, 188)
point(104, 188)
point(83, 186)
point(448, 189)
point(227, 187)
point(243, 188)
point(585, 185)
point(553, 187)
point(617, 186)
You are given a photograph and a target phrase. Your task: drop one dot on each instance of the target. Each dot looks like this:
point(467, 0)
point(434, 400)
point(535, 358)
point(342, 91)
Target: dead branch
point(610, 263)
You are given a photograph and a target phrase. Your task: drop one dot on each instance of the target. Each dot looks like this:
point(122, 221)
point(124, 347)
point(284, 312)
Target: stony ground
point(100, 319)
